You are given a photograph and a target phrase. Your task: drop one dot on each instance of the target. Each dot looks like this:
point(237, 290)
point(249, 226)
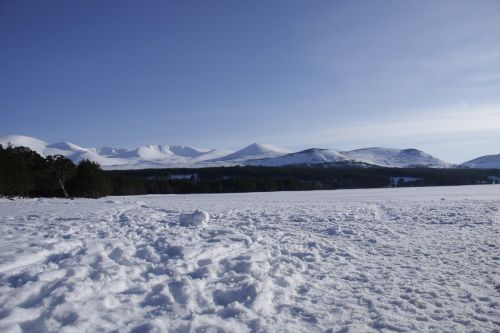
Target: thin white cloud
point(445, 128)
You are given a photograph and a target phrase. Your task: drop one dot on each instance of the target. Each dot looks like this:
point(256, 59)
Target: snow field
point(421, 259)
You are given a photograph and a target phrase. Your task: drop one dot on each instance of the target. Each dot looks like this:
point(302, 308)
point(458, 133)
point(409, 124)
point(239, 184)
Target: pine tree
point(89, 181)
point(18, 168)
point(62, 169)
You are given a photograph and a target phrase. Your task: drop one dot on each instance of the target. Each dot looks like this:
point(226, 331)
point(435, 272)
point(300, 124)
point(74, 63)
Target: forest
point(24, 173)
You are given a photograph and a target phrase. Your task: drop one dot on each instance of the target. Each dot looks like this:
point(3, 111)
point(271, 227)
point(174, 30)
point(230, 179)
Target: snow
point(391, 157)
point(187, 151)
point(197, 218)
point(309, 156)
point(161, 152)
point(484, 162)
point(149, 156)
point(179, 156)
point(65, 146)
point(401, 259)
point(385, 157)
point(25, 141)
point(255, 151)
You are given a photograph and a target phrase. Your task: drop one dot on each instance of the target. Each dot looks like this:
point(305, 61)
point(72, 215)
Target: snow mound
point(197, 218)
point(484, 162)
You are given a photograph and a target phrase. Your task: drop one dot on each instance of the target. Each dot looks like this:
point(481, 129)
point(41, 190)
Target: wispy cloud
point(446, 128)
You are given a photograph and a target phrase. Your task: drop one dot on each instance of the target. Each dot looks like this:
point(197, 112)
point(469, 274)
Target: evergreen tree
point(88, 181)
point(18, 171)
point(62, 169)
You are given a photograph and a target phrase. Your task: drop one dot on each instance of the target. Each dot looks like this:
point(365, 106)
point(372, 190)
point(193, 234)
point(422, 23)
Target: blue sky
point(333, 74)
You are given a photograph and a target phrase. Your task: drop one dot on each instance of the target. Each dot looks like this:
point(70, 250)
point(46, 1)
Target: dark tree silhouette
point(88, 181)
point(62, 169)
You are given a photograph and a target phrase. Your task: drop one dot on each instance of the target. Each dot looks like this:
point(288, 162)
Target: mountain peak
point(256, 151)
point(266, 148)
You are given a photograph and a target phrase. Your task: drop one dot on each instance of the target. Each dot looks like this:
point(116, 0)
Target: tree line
point(285, 178)
point(24, 173)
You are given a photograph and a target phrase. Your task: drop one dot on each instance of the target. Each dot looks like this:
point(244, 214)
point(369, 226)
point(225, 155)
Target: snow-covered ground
point(406, 259)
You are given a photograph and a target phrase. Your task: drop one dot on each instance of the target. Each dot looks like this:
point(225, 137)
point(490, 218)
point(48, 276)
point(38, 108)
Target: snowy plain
point(380, 260)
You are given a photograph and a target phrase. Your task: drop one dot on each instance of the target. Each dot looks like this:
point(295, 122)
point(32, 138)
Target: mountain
point(484, 162)
point(385, 157)
point(253, 152)
point(179, 156)
point(304, 157)
point(153, 152)
point(41, 147)
point(24, 141)
point(400, 158)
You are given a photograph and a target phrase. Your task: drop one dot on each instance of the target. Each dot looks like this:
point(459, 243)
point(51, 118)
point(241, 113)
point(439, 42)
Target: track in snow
point(422, 259)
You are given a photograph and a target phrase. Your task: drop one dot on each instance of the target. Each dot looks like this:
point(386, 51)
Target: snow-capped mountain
point(385, 157)
point(24, 141)
point(253, 152)
point(307, 157)
point(391, 157)
point(153, 152)
point(149, 156)
point(484, 162)
point(178, 156)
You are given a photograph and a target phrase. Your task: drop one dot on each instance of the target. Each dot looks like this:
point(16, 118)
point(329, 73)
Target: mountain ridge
point(258, 154)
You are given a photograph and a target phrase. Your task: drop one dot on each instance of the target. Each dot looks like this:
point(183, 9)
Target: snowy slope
point(42, 147)
point(164, 156)
point(255, 151)
point(211, 155)
point(153, 152)
point(66, 149)
point(24, 141)
point(306, 157)
point(91, 154)
point(386, 157)
point(390, 157)
point(382, 260)
point(484, 162)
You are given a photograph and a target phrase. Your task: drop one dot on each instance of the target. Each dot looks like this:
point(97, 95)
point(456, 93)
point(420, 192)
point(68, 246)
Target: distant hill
point(484, 162)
